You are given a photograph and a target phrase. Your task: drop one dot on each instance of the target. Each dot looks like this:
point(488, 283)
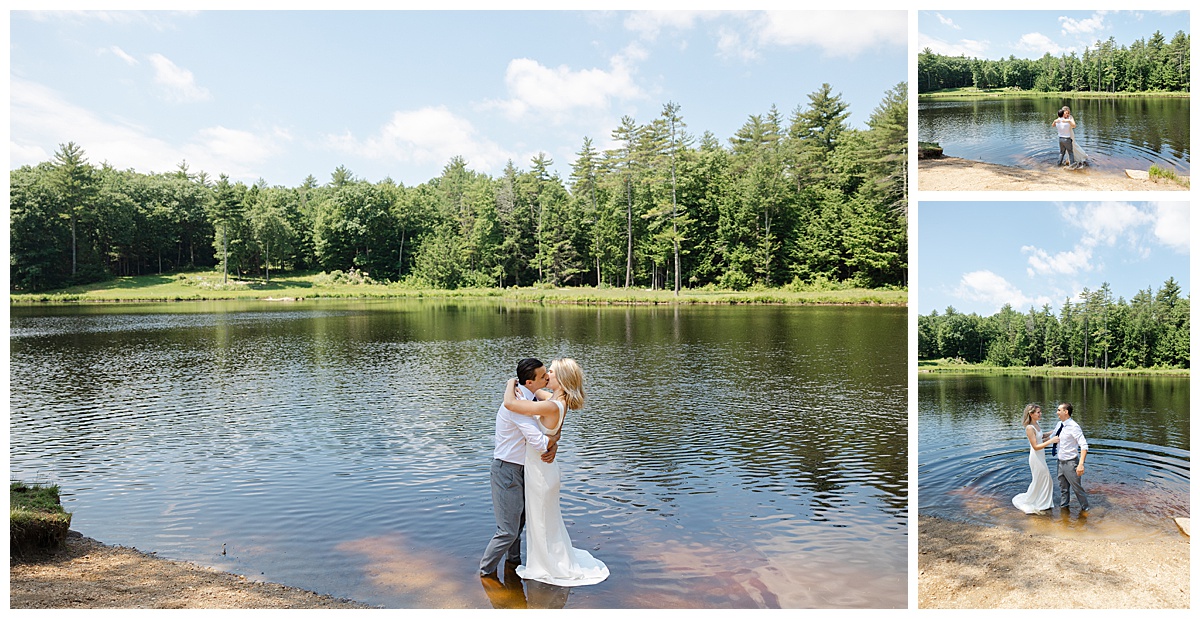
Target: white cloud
point(837, 33)
point(988, 287)
point(1083, 26)
point(1104, 223)
point(1172, 225)
point(156, 20)
point(1061, 263)
point(559, 91)
point(742, 33)
point(964, 47)
point(730, 45)
point(427, 135)
point(179, 83)
point(235, 145)
point(946, 21)
point(1039, 44)
point(120, 53)
point(40, 120)
point(649, 24)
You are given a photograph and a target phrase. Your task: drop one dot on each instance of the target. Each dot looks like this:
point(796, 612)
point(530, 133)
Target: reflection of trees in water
point(794, 403)
point(1144, 409)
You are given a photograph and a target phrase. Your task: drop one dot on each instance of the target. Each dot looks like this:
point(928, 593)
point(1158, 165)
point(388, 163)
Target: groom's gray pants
point(1065, 150)
point(1068, 480)
point(508, 502)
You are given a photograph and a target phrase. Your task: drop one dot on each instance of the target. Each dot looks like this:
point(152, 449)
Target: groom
point(513, 432)
point(1064, 124)
point(1071, 451)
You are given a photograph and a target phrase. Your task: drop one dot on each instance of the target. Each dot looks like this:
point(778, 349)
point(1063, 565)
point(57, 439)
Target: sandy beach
point(89, 574)
point(954, 174)
point(973, 566)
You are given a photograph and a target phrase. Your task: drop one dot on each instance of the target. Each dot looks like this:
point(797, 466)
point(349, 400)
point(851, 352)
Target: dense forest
point(1151, 330)
point(1143, 66)
point(807, 200)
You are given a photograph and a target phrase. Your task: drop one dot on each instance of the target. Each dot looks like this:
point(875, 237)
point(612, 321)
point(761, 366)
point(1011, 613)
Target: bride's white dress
point(549, 556)
point(1081, 156)
point(1038, 497)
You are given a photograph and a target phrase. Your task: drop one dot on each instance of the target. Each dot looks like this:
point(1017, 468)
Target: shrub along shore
point(945, 366)
point(969, 91)
point(210, 286)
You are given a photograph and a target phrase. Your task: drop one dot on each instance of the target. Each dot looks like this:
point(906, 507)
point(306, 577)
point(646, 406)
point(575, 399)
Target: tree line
point(1143, 66)
point(804, 200)
point(1150, 330)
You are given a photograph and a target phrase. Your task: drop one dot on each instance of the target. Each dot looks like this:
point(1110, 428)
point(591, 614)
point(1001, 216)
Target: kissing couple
point(526, 479)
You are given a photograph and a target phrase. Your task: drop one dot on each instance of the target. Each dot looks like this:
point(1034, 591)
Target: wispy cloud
point(1038, 44)
point(963, 47)
point(988, 287)
point(835, 33)
point(1089, 25)
point(1139, 229)
point(155, 20)
point(120, 53)
point(557, 92)
point(426, 135)
point(179, 85)
point(743, 34)
point(39, 117)
point(946, 21)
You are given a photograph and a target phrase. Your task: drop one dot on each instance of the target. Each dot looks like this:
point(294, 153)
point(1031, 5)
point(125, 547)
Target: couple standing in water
point(526, 480)
point(1068, 146)
point(1069, 447)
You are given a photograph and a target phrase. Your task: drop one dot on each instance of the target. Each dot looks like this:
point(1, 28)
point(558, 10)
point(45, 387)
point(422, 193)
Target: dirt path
point(954, 174)
point(89, 574)
point(972, 566)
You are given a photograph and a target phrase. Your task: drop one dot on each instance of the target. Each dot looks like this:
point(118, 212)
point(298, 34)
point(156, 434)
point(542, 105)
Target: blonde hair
point(1028, 417)
point(570, 379)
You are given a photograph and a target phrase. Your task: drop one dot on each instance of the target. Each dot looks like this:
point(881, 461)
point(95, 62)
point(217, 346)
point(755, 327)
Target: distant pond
point(728, 457)
point(1118, 133)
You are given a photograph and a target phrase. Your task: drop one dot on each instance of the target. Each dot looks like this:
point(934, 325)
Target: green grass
point(951, 366)
point(1170, 175)
point(36, 519)
point(208, 285)
point(971, 91)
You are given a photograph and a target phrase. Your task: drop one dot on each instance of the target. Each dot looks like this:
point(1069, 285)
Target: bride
point(1081, 156)
point(549, 555)
point(1038, 497)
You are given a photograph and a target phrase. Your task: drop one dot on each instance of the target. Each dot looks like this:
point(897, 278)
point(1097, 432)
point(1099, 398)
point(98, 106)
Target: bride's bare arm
point(1031, 434)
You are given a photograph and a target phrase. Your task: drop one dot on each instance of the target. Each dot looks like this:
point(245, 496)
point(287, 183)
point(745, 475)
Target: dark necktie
point(1054, 447)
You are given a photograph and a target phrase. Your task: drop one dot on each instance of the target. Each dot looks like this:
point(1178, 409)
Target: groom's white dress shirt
point(513, 431)
point(1071, 440)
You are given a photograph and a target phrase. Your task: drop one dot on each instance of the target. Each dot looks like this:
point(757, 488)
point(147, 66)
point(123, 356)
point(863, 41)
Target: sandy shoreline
point(90, 574)
point(954, 174)
point(971, 566)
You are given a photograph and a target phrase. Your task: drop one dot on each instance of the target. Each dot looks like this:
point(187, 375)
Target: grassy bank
point(36, 519)
point(950, 93)
point(208, 285)
point(946, 366)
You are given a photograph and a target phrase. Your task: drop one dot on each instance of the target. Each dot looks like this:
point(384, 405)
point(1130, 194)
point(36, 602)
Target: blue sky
point(1030, 34)
point(977, 256)
point(281, 95)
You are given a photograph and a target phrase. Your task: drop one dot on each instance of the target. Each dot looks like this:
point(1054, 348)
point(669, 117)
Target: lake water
point(727, 457)
point(1117, 133)
point(973, 456)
